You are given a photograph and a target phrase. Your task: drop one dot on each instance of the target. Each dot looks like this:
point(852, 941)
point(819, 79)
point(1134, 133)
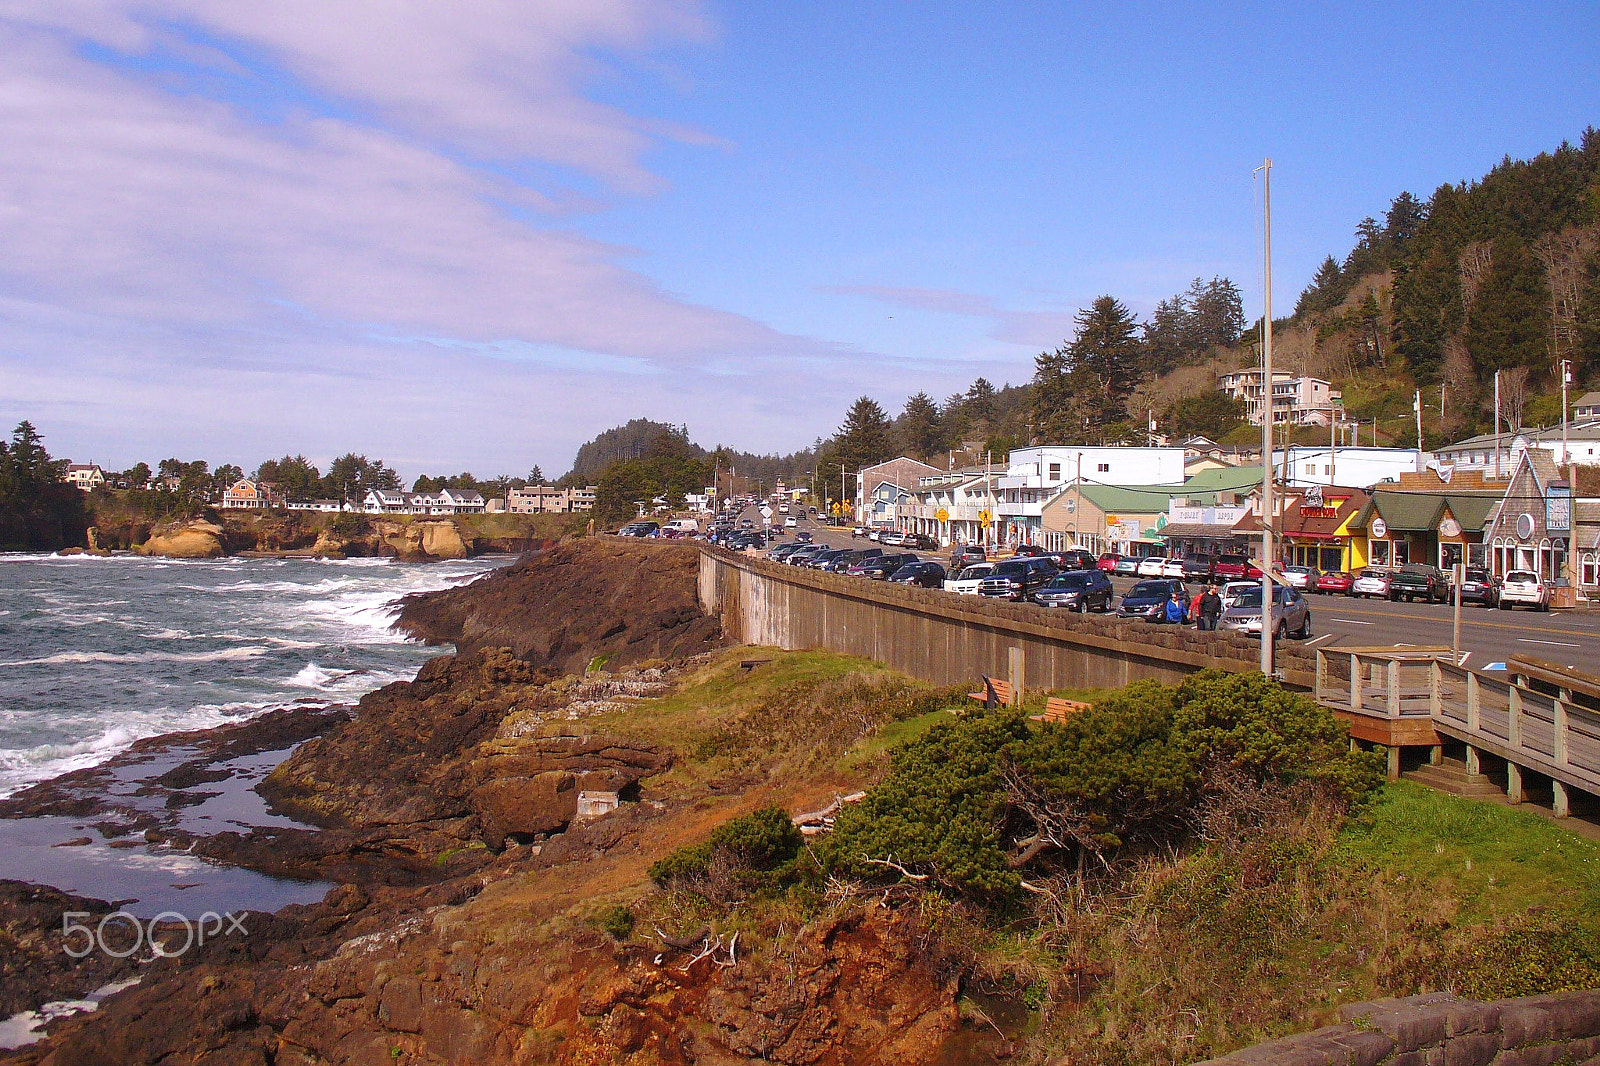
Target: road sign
point(984, 518)
point(766, 512)
point(942, 515)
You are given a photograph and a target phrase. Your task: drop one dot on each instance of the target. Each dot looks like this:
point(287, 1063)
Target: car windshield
point(1477, 575)
point(972, 573)
point(1251, 597)
point(1070, 581)
point(1148, 589)
point(1375, 573)
point(1523, 575)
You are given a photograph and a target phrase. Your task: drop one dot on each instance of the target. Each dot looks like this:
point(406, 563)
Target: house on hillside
point(246, 494)
point(85, 476)
point(386, 501)
point(1296, 401)
point(461, 501)
point(1587, 408)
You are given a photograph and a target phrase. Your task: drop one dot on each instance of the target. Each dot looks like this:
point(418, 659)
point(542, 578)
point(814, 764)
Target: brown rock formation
point(595, 598)
point(199, 539)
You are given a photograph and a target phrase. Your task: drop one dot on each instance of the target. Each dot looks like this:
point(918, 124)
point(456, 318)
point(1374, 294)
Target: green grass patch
point(1492, 860)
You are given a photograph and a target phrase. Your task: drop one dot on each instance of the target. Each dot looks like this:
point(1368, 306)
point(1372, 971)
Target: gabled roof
point(1222, 479)
point(1421, 511)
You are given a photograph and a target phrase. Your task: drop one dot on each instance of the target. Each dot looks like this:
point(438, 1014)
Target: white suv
point(1524, 587)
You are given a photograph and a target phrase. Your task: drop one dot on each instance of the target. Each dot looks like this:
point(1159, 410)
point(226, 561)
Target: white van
point(683, 525)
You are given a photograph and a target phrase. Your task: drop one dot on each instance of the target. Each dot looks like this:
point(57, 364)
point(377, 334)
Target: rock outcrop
point(582, 601)
point(200, 539)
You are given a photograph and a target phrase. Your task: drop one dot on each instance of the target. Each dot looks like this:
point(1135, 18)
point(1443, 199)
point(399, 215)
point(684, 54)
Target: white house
point(325, 506)
point(386, 501)
point(461, 501)
point(1298, 401)
point(1356, 467)
point(85, 476)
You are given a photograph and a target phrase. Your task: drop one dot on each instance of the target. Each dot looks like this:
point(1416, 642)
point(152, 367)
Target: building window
point(1055, 471)
point(1589, 569)
point(1104, 468)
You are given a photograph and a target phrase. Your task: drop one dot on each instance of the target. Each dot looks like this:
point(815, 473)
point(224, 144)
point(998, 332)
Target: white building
point(1297, 401)
point(386, 501)
point(324, 506)
point(1035, 476)
point(85, 476)
point(1480, 452)
point(1356, 467)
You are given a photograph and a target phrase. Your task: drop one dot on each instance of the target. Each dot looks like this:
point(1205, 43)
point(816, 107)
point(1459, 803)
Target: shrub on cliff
point(743, 854)
point(980, 803)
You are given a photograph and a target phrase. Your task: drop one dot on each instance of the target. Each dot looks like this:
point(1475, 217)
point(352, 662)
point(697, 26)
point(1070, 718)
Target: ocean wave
point(62, 658)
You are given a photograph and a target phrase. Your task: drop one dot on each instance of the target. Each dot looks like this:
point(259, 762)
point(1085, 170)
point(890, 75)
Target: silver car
point(1290, 614)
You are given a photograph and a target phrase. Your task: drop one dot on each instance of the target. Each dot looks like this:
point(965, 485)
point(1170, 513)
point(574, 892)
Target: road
point(1570, 638)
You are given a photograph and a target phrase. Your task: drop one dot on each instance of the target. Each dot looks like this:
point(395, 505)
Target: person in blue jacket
point(1175, 610)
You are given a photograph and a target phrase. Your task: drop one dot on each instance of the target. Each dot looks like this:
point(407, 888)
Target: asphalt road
point(1570, 638)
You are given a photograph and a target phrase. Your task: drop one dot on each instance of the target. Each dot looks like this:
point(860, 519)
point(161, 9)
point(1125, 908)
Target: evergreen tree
point(38, 511)
point(1216, 313)
point(865, 437)
point(1508, 324)
point(1080, 392)
point(979, 403)
point(295, 476)
point(1406, 216)
point(1426, 309)
point(921, 429)
point(1588, 317)
point(1327, 289)
point(536, 475)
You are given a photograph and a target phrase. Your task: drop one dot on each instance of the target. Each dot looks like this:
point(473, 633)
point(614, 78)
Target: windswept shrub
point(938, 811)
point(758, 843)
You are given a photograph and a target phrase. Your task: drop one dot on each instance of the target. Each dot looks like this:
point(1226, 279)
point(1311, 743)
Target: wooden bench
point(1001, 689)
point(1058, 709)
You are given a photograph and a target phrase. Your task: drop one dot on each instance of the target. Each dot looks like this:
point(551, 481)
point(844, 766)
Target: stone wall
point(948, 639)
point(1443, 1030)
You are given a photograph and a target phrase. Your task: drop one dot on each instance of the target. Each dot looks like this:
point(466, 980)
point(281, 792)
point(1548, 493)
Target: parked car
point(892, 537)
point(1478, 585)
point(879, 567)
point(1231, 591)
point(1107, 563)
point(1151, 566)
point(1172, 568)
point(965, 554)
point(1235, 568)
point(966, 581)
point(1303, 578)
point(825, 558)
point(1073, 559)
point(1197, 568)
point(803, 537)
point(844, 561)
point(783, 551)
point(1373, 581)
point(1027, 549)
point(1523, 588)
point(1077, 590)
point(805, 554)
point(1291, 615)
point(1127, 565)
point(928, 575)
point(1148, 599)
point(858, 531)
point(925, 543)
point(639, 529)
point(1334, 583)
point(1419, 581)
point(1017, 579)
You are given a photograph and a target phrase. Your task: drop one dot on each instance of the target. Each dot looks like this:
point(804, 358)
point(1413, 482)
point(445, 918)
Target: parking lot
point(1569, 638)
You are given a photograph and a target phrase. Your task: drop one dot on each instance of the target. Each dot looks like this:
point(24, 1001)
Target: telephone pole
point(1267, 553)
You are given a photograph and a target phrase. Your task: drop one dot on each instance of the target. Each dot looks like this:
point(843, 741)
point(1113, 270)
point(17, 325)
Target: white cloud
point(343, 270)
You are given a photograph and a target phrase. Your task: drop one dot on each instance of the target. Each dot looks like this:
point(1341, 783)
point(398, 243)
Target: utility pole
point(1267, 552)
point(1497, 425)
point(1566, 469)
point(1416, 405)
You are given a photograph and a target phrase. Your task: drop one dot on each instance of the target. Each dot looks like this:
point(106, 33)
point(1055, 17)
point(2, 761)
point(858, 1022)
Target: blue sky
point(472, 235)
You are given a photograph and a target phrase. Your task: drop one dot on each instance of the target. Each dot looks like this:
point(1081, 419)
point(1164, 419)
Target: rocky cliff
point(328, 536)
point(592, 600)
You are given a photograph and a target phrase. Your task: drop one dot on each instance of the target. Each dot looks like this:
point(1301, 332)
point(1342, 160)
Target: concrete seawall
point(947, 639)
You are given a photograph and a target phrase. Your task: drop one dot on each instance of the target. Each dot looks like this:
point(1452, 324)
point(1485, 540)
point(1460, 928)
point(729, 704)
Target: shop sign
point(1525, 526)
point(1379, 528)
point(1449, 527)
point(1558, 508)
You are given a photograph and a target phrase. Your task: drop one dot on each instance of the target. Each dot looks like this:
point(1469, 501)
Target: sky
point(469, 236)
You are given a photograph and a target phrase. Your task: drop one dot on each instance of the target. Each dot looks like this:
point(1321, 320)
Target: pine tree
point(1217, 310)
point(921, 429)
point(1588, 317)
point(1326, 290)
point(865, 437)
point(1426, 309)
point(1080, 392)
point(1508, 324)
point(1406, 216)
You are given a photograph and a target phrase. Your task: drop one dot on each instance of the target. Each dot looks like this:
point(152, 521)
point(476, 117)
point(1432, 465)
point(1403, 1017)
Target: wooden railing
point(1535, 715)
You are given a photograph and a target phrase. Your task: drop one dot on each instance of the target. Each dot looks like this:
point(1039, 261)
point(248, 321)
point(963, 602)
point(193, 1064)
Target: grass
point(1491, 860)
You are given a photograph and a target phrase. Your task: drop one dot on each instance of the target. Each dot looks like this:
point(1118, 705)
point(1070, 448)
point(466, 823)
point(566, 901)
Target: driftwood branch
point(893, 865)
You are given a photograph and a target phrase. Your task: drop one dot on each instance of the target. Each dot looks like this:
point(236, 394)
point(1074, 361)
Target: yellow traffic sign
point(942, 515)
point(984, 518)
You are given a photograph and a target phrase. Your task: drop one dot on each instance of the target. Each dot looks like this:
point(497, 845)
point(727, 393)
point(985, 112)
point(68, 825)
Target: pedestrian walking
point(1194, 608)
point(1209, 609)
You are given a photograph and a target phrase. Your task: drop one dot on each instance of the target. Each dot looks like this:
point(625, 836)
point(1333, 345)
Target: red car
point(1335, 583)
point(1235, 568)
point(1108, 562)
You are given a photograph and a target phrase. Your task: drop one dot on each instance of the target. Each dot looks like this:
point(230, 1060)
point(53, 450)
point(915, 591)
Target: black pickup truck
point(1415, 581)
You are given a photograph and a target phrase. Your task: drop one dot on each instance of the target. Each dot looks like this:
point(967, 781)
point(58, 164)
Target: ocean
point(96, 653)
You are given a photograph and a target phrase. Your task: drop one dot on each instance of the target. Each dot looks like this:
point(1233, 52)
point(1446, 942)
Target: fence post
point(1015, 662)
point(1394, 688)
point(1514, 792)
point(1559, 747)
point(1356, 682)
point(1322, 676)
point(1474, 701)
point(1435, 688)
point(1562, 805)
point(1514, 718)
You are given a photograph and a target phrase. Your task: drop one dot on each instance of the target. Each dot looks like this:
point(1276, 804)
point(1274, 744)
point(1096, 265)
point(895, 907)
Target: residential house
point(85, 476)
point(1296, 401)
point(386, 501)
point(460, 501)
point(324, 506)
point(547, 499)
point(1499, 452)
point(1036, 476)
point(875, 504)
point(246, 494)
point(1587, 408)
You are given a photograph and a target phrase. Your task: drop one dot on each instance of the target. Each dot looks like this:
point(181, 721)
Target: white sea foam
point(63, 658)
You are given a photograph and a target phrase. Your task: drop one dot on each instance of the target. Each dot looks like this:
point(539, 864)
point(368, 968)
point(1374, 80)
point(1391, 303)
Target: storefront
point(1533, 527)
point(1413, 526)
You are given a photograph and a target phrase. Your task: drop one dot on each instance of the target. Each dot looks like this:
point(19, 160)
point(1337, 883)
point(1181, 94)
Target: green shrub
point(350, 524)
point(758, 842)
point(1525, 958)
point(616, 922)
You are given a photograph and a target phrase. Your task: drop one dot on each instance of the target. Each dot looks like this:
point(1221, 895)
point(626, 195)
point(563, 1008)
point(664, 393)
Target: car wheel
point(1305, 628)
point(1505, 605)
point(1282, 632)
